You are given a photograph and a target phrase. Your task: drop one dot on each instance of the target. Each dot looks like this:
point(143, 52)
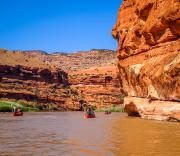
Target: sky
point(57, 25)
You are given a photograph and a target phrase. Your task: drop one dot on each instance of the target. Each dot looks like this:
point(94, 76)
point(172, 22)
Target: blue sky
point(57, 25)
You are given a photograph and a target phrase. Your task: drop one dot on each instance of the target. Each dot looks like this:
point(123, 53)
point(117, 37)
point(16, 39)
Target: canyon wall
point(97, 86)
point(60, 81)
point(93, 74)
point(147, 33)
point(28, 80)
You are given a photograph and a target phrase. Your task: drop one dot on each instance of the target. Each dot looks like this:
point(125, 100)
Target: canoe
point(18, 114)
point(86, 116)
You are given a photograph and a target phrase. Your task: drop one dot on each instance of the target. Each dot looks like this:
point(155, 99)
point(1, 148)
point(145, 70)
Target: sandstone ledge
point(152, 109)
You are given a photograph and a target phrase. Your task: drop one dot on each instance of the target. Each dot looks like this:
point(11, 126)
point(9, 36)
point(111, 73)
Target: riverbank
point(112, 108)
point(7, 106)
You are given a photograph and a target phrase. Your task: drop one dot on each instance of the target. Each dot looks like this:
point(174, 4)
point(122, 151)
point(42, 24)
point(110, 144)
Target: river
point(69, 134)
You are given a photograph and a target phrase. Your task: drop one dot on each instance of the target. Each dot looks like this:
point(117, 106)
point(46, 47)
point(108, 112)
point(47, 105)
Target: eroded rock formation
point(97, 86)
point(147, 33)
point(41, 87)
point(60, 80)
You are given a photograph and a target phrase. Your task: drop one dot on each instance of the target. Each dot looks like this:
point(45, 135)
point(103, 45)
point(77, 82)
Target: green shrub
point(113, 108)
point(6, 106)
point(52, 107)
point(31, 109)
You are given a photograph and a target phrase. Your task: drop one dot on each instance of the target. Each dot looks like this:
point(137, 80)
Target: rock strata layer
point(60, 81)
point(147, 33)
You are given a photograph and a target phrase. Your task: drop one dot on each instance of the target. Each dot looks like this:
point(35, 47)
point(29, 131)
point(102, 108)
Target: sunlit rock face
point(60, 81)
point(147, 33)
point(29, 78)
point(94, 77)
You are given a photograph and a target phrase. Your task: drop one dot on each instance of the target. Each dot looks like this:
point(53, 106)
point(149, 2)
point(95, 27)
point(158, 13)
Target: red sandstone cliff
point(60, 80)
point(24, 77)
point(147, 33)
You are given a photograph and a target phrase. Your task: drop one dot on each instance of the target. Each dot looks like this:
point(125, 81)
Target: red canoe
point(18, 114)
point(86, 116)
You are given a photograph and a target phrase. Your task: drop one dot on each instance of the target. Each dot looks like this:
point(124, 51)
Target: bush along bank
point(112, 108)
point(6, 106)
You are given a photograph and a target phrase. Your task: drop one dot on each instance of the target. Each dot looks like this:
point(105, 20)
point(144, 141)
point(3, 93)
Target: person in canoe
point(17, 111)
point(90, 113)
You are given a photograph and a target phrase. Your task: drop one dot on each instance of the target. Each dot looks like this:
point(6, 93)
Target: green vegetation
point(52, 107)
point(113, 108)
point(6, 106)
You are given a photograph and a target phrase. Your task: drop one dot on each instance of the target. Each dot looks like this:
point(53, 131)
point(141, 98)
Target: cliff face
point(95, 77)
point(97, 86)
point(29, 80)
point(60, 81)
point(147, 33)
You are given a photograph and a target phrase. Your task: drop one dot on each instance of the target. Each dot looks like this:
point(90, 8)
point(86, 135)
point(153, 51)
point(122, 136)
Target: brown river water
point(69, 134)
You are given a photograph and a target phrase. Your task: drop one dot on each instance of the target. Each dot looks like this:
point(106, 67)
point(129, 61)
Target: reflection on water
point(68, 134)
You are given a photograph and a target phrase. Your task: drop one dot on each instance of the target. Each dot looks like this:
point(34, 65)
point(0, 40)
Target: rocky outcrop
point(35, 74)
point(147, 33)
point(152, 109)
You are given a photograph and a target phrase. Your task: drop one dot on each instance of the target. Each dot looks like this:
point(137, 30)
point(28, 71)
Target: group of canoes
point(89, 113)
